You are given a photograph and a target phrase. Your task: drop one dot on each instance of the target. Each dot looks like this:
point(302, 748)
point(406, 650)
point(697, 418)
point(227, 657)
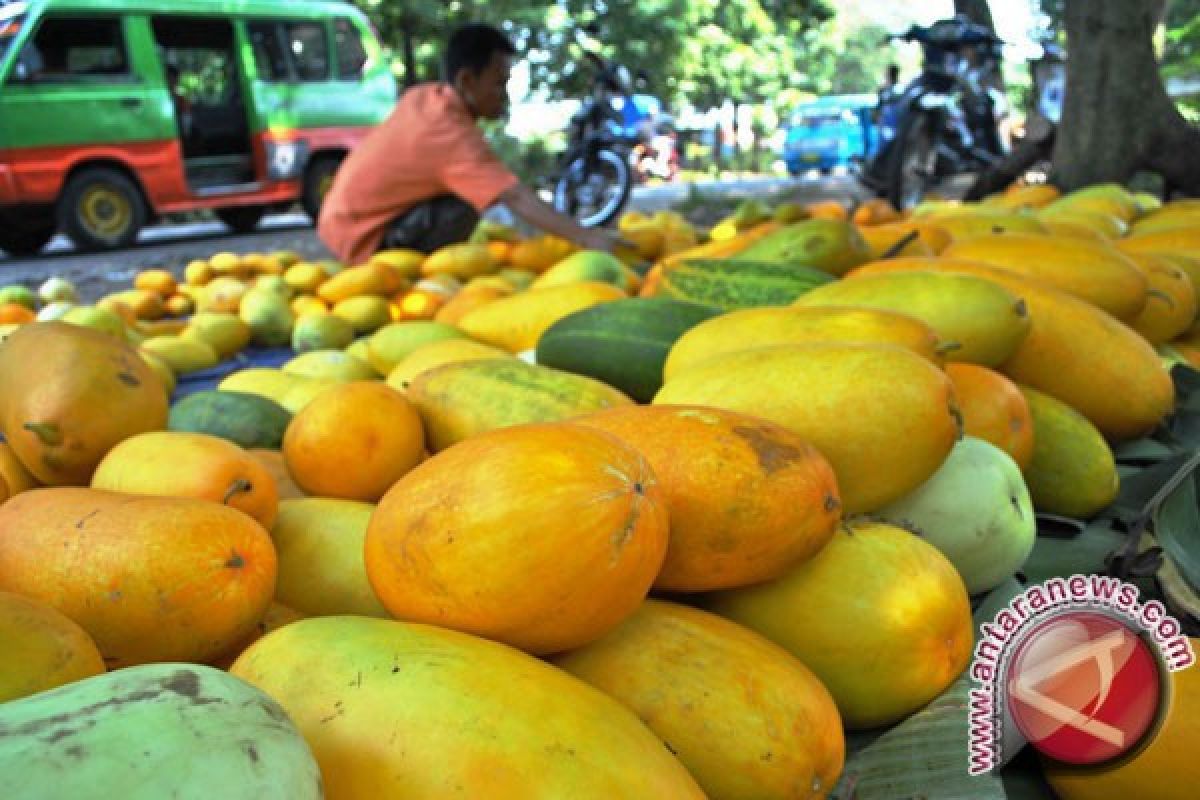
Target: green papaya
point(159, 730)
point(249, 420)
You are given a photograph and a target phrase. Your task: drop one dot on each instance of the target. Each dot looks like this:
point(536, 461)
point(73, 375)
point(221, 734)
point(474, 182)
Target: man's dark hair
point(471, 47)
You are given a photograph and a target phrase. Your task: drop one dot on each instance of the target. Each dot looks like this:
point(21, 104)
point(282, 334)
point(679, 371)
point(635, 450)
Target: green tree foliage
point(703, 50)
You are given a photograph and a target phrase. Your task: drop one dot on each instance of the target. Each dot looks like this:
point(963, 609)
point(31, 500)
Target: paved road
point(173, 246)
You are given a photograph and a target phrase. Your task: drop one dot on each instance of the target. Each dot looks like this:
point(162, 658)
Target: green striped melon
point(464, 399)
point(623, 343)
point(731, 284)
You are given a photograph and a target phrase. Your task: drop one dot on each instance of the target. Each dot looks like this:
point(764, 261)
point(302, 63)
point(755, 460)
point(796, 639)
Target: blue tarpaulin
point(251, 357)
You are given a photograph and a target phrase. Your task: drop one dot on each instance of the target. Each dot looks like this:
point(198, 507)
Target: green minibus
point(113, 113)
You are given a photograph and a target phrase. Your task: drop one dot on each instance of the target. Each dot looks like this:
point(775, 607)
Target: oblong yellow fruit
point(274, 384)
point(436, 354)
point(182, 355)
point(884, 417)
point(1184, 241)
point(879, 615)
point(43, 648)
point(319, 544)
point(1072, 472)
point(516, 323)
point(462, 260)
point(769, 730)
point(1165, 219)
point(1170, 302)
point(224, 332)
point(1092, 271)
point(389, 345)
point(330, 365)
point(764, 327)
point(1074, 351)
point(882, 239)
point(395, 709)
point(964, 223)
point(1108, 226)
point(986, 321)
point(460, 400)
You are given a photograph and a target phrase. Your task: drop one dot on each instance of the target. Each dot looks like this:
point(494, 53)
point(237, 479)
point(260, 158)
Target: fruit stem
point(238, 486)
point(48, 433)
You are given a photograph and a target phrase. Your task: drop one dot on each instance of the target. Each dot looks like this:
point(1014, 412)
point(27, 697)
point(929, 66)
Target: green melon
point(249, 420)
point(731, 284)
point(623, 343)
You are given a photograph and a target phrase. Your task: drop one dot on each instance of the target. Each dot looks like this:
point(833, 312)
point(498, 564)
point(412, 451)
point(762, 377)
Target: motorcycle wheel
point(594, 198)
point(912, 163)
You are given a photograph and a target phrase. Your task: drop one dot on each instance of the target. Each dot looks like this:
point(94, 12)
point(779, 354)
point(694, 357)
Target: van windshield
point(11, 19)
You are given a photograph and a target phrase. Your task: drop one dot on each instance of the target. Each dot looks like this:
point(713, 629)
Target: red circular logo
point(1083, 688)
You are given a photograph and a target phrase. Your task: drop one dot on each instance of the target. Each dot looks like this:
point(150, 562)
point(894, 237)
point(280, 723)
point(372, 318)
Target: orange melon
point(149, 578)
point(742, 714)
point(541, 536)
point(746, 498)
point(993, 409)
point(353, 441)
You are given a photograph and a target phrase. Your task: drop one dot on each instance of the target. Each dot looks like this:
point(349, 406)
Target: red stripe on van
point(333, 138)
point(37, 173)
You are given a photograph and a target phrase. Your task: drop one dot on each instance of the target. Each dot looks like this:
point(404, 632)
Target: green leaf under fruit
point(1177, 528)
point(923, 756)
point(1081, 555)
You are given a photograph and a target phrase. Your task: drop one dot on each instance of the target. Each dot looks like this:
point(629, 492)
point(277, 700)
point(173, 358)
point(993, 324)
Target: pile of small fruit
point(518, 520)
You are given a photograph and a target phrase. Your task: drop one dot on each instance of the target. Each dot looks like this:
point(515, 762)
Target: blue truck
point(830, 132)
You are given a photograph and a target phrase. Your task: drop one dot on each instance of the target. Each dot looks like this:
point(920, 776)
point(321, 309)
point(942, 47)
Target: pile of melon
point(522, 521)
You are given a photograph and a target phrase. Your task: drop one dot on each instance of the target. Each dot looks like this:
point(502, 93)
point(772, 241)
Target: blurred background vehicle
point(831, 132)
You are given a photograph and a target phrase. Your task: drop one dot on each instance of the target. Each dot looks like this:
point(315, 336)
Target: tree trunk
point(1117, 118)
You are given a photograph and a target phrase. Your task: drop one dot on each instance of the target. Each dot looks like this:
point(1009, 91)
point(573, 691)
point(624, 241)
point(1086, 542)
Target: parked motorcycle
point(946, 122)
point(596, 177)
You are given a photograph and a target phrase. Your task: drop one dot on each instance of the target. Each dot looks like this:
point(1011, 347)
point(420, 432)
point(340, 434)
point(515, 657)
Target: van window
point(66, 49)
point(309, 50)
point(270, 59)
point(351, 55)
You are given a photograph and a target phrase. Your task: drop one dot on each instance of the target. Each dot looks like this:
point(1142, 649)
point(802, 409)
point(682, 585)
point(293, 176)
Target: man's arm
point(525, 203)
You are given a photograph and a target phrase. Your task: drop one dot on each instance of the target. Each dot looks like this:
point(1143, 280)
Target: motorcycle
point(946, 122)
point(595, 175)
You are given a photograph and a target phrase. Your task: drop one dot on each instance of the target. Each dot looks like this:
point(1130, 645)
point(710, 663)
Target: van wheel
point(241, 219)
point(318, 178)
point(22, 235)
point(101, 209)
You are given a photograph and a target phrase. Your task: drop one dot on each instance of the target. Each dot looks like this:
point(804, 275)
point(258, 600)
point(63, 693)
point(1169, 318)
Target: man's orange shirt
point(428, 146)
